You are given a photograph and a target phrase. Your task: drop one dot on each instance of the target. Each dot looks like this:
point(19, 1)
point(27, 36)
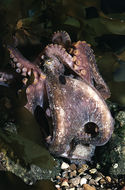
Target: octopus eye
point(91, 128)
point(62, 79)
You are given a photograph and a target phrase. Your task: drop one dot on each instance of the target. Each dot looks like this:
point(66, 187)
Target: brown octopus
point(74, 90)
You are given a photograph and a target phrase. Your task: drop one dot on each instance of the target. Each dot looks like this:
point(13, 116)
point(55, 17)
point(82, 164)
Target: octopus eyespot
point(91, 128)
point(62, 79)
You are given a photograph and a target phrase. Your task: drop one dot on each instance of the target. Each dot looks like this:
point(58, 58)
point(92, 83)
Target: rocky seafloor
point(86, 177)
point(23, 154)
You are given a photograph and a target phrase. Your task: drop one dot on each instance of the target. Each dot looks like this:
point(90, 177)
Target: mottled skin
point(74, 104)
point(80, 117)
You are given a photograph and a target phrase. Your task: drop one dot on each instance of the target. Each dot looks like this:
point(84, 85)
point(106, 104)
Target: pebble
point(98, 179)
point(57, 186)
point(64, 166)
point(87, 176)
point(88, 187)
point(73, 177)
point(93, 171)
point(83, 181)
point(108, 178)
point(73, 174)
point(73, 167)
point(75, 181)
point(93, 182)
point(102, 181)
point(65, 174)
point(65, 184)
point(83, 168)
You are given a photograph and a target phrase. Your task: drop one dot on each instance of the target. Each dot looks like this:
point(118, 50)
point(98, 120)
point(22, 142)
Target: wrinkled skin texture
point(74, 91)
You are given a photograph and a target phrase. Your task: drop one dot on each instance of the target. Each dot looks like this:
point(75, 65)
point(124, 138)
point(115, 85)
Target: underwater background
point(100, 22)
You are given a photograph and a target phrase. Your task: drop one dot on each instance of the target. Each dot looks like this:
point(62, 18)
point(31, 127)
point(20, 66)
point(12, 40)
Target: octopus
point(68, 87)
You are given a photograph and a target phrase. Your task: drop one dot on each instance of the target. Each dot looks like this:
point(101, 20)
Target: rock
point(88, 176)
point(75, 181)
point(108, 179)
point(93, 182)
point(64, 166)
point(72, 188)
point(112, 155)
point(65, 184)
point(83, 181)
point(73, 174)
point(93, 171)
point(73, 167)
point(58, 187)
point(98, 179)
point(88, 187)
point(102, 181)
point(65, 174)
point(121, 118)
point(83, 169)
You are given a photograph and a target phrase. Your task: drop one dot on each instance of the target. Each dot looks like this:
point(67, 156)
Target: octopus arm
point(85, 65)
point(55, 50)
point(61, 38)
point(36, 90)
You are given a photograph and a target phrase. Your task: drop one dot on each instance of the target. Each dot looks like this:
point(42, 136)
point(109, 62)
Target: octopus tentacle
point(21, 64)
point(99, 82)
point(85, 65)
point(55, 50)
point(61, 38)
point(34, 91)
